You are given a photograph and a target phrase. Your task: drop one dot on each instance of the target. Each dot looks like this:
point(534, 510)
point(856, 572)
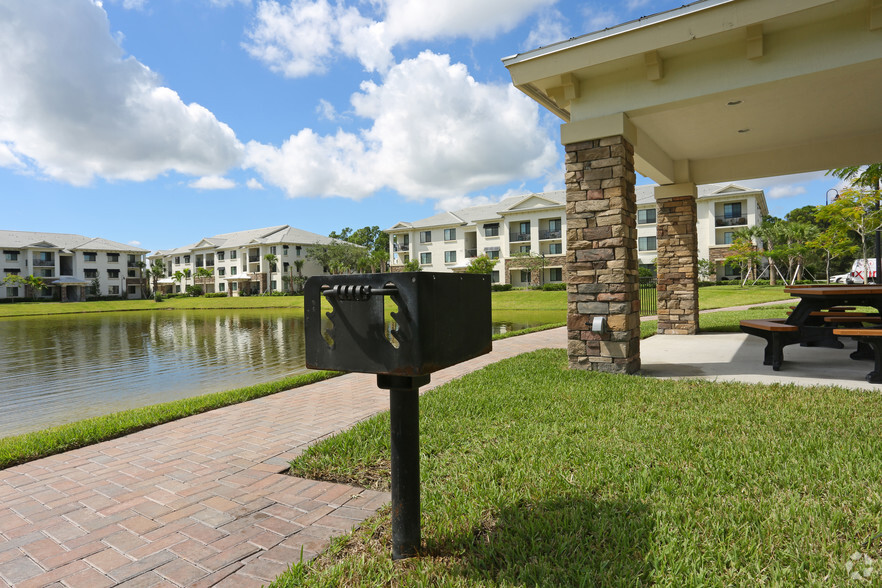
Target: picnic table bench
point(818, 318)
point(871, 338)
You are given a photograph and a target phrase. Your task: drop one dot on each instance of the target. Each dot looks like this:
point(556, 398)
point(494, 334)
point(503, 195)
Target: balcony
point(550, 234)
point(132, 264)
point(253, 259)
point(470, 253)
point(730, 221)
point(403, 247)
point(520, 237)
point(44, 263)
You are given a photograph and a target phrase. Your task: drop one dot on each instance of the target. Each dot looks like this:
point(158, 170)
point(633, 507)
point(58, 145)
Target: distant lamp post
point(835, 195)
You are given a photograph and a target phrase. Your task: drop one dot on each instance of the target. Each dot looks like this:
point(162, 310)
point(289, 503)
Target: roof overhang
point(722, 90)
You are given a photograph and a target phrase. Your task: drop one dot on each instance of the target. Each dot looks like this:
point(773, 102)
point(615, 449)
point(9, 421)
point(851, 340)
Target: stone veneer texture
point(602, 255)
point(677, 264)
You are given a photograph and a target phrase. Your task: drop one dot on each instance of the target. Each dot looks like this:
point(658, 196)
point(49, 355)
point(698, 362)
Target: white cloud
point(213, 183)
point(74, 106)
point(550, 28)
point(326, 110)
point(8, 158)
point(785, 191)
point(430, 19)
point(253, 184)
point(436, 133)
point(602, 19)
point(296, 40)
point(460, 202)
point(303, 37)
point(135, 243)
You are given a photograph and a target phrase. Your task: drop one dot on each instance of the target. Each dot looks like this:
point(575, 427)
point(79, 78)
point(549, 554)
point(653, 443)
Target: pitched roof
point(266, 235)
point(71, 242)
point(484, 212)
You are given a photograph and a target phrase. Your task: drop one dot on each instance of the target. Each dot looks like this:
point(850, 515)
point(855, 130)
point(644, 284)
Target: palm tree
point(187, 274)
point(34, 283)
point(142, 266)
point(157, 271)
point(178, 276)
point(271, 259)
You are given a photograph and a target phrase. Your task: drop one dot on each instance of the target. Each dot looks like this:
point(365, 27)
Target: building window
point(234, 286)
point(220, 255)
point(646, 216)
point(90, 273)
point(12, 291)
point(272, 250)
point(12, 271)
point(177, 261)
point(555, 274)
point(132, 259)
point(425, 258)
point(11, 255)
point(646, 244)
point(132, 290)
point(492, 253)
point(232, 255)
point(284, 250)
point(728, 238)
point(221, 271)
point(273, 285)
point(732, 210)
point(450, 234)
point(113, 274)
point(90, 256)
point(554, 224)
point(113, 258)
point(525, 276)
point(297, 250)
point(113, 290)
point(555, 248)
point(131, 273)
point(491, 230)
point(220, 287)
point(186, 259)
point(494, 277)
point(524, 249)
point(425, 236)
point(450, 257)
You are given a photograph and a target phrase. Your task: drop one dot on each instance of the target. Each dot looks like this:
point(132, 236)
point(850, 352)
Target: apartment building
point(508, 231)
point(235, 263)
point(72, 266)
point(535, 225)
point(720, 211)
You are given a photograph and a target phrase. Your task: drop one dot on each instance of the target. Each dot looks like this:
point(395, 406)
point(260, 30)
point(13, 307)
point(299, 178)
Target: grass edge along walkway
point(583, 478)
point(18, 449)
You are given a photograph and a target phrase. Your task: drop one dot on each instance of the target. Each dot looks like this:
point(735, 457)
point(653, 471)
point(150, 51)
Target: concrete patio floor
point(739, 357)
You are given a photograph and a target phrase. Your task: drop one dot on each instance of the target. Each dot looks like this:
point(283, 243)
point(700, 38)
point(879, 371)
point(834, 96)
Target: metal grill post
point(404, 414)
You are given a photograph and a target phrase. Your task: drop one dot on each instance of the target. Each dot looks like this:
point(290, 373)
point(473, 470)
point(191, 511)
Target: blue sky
point(158, 122)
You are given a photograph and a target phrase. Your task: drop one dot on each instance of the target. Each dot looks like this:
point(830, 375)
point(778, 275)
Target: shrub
point(554, 286)
point(216, 295)
point(157, 297)
point(500, 287)
point(195, 291)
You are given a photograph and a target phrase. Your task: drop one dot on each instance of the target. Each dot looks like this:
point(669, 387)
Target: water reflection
point(59, 369)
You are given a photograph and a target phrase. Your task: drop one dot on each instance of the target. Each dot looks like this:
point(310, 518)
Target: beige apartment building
point(71, 266)
point(535, 224)
point(237, 261)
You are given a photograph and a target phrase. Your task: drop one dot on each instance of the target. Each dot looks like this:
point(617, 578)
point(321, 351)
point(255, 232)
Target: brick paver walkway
point(200, 501)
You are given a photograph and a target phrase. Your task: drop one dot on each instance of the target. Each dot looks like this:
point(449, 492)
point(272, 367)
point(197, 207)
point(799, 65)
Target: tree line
point(815, 240)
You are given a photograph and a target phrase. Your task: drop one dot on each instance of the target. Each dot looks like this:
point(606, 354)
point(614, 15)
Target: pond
point(59, 369)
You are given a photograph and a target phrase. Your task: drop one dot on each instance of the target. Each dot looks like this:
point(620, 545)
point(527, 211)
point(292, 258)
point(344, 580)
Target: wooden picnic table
point(812, 323)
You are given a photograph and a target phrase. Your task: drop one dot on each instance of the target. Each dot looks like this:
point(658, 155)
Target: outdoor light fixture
point(835, 195)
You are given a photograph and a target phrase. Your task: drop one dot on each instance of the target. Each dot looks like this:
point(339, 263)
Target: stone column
point(677, 260)
point(601, 260)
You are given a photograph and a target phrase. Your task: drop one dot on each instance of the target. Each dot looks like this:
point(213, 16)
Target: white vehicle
point(858, 275)
point(838, 278)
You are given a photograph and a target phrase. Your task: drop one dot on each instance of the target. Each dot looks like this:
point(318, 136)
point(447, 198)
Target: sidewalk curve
point(200, 501)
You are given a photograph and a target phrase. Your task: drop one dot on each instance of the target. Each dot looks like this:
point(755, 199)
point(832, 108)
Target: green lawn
point(709, 297)
point(573, 478)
